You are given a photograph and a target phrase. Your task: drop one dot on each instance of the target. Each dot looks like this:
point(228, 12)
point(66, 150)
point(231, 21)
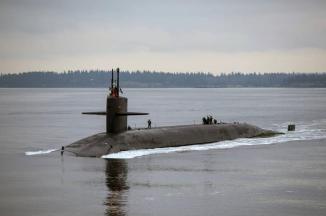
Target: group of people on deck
point(209, 120)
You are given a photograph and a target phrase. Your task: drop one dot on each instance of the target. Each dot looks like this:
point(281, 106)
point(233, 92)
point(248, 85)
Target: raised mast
point(112, 78)
point(118, 84)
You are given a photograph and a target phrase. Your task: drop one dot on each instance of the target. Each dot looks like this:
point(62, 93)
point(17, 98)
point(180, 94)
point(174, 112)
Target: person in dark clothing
point(204, 121)
point(149, 123)
point(210, 119)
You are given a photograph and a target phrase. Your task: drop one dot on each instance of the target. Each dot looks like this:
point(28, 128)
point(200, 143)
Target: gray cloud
point(36, 29)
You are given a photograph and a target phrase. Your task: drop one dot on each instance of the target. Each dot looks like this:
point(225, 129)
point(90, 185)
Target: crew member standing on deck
point(114, 91)
point(149, 124)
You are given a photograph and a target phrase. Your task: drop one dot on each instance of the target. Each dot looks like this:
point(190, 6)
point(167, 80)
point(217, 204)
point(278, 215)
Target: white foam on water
point(31, 153)
point(303, 132)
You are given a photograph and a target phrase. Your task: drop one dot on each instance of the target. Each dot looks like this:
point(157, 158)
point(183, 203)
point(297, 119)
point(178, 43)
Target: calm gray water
point(207, 182)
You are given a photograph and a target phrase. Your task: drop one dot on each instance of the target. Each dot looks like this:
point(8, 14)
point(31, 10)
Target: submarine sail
point(116, 108)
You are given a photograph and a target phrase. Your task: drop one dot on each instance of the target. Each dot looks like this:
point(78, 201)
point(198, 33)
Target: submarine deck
point(168, 136)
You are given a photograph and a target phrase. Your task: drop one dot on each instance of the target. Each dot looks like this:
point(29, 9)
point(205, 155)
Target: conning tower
point(116, 107)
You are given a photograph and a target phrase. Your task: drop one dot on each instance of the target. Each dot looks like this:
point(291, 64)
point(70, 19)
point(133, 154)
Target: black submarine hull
point(173, 136)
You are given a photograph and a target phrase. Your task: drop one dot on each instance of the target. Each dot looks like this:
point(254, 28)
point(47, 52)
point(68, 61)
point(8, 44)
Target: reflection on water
point(116, 180)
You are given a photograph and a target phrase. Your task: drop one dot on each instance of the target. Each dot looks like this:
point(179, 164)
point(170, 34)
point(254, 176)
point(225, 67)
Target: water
point(190, 180)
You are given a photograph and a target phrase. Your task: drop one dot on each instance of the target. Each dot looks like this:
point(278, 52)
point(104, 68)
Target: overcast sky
point(191, 35)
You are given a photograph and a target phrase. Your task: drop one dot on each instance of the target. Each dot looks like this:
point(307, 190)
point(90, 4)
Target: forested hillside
point(145, 79)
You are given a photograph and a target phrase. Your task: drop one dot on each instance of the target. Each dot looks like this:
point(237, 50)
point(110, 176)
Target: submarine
point(119, 137)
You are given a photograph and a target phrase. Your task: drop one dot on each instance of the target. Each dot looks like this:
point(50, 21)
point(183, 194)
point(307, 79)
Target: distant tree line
point(152, 79)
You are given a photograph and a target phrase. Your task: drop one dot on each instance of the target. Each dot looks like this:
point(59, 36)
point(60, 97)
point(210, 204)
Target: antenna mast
point(112, 79)
point(118, 76)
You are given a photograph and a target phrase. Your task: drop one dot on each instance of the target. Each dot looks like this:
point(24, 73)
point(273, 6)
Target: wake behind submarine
point(118, 137)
